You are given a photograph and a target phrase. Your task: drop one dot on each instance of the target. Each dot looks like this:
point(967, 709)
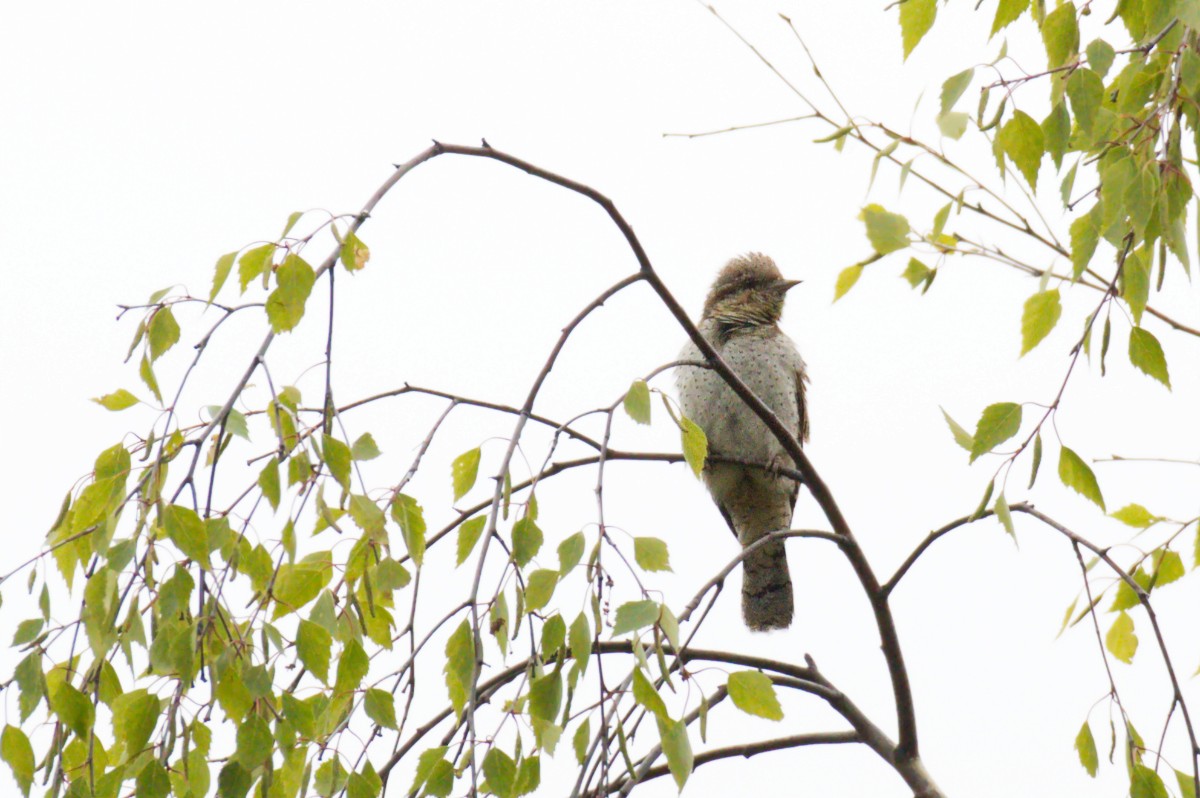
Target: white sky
point(141, 141)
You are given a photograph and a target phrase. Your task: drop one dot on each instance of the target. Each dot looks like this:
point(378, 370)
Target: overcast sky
point(141, 141)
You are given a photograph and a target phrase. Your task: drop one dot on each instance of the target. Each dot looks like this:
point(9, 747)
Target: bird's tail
point(766, 587)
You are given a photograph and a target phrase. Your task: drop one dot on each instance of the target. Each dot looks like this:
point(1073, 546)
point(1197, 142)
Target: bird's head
point(748, 292)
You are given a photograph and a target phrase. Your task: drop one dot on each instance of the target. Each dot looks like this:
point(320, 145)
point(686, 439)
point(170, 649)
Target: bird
point(741, 321)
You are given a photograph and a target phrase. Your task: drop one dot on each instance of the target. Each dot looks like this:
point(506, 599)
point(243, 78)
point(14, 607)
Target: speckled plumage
point(740, 320)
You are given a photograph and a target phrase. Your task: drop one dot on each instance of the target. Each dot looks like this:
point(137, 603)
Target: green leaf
point(254, 742)
point(1100, 56)
point(678, 750)
point(1060, 33)
point(1056, 133)
point(352, 668)
point(637, 402)
point(234, 781)
point(313, 645)
point(119, 399)
point(26, 631)
point(846, 279)
point(916, 272)
point(527, 541)
point(887, 232)
point(1085, 744)
point(1135, 515)
point(134, 716)
point(153, 781)
point(460, 665)
point(268, 481)
point(1121, 642)
point(1042, 312)
point(224, 265)
point(425, 765)
point(651, 554)
point(645, 694)
point(253, 263)
point(18, 754)
point(337, 457)
point(1187, 785)
point(539, 587)
point(468, 536)
point(916, 18)
point(1168, 568)
point(187, 531)
point(545, 696)
point(953, 124)
point(583, 736)
point(146, 372)
point(1077, 475)
point(1085, 235)
point(634, 615)
point(998, 423)
point(1135, 283)
point(753, 693)
point(354, 253)
point(463, 472)
point(554, 634)
point(500, 772)
point(163, 332)
point(570, 552)
point(1146, 353)
point(364, 448)
point(580, 639)
point(294, 282)
point(961, 436)
point(1085, 90)
point(1008, 12)
point(953, 88)
point(1022, 141)
point(695, 444)
point(73, 709)
point(299, 583)
point(380, 707)
point(408, 514)
point(1145, 783)
point(1004, 516)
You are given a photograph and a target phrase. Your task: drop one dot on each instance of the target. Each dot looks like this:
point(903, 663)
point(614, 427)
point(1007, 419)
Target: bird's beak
point(788, 285)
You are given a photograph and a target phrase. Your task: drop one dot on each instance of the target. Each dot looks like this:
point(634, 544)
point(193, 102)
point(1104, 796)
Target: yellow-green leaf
point(637, 402)
point(1135, 515)
point(119, 399)
point(1100, 56)
point(887, 232)
point(753, 693)
point(1060, 34)
point(253, 263)
point(678, 750)
point(1085, 90)
point(468, 536)
point(1022, 141)
point(313, 644)
point(953, 88)
point(645, 694)
point(1121, 642)
point(460, 664)
point(695, 444)
point(916, 272)
point(1085, 235)
point(1146, 353)
point(337, 458)
point(285, 305)
point(464, 470)
point(539, 587)
point(163, 332)
point(354, 253)
point(1042, 312)
point(1078, 475)
point(527, 541)
point(570, 552)
point(635, 615)
point(846, 280)
point(651, 554)
point(1135, 283)
point(364, 448)
point(380, 707)
point(407, 512)
point(188, 532)
point(268, 481)
point(998, 423)
point(1008, 12)
point(1085, 744)
point(224, 265)
point(1004, 516)
point(916, 18)
point(961, 436)
point(18, 754)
